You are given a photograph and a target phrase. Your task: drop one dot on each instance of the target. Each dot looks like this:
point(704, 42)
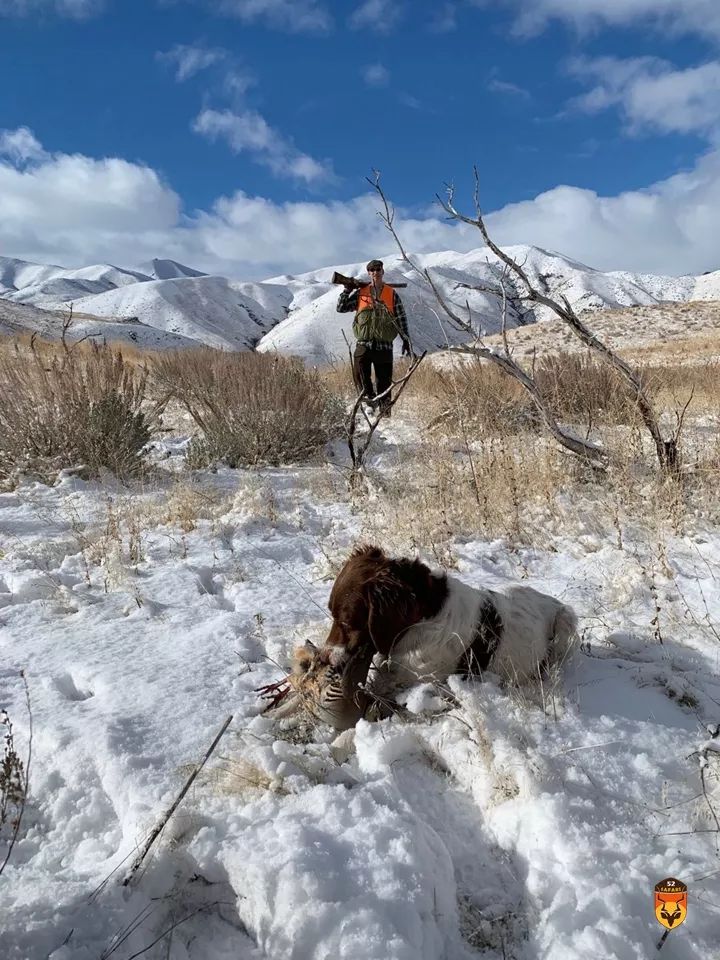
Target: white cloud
point(408, 100)
point(77, 9)
point(376, 75)
point(701, 17)
point(76, 210)
point(496, 85)
point(249, 132)
point(237, 82)
point(291, 237)
point(20, 146)
point(294, 16)
point(669, 227)
point(653, 95)
point(191, 59)
point(378, 15)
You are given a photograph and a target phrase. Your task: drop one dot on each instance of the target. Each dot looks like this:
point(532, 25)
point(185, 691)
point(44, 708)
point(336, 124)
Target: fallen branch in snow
point(666, 449)
point(166, 816)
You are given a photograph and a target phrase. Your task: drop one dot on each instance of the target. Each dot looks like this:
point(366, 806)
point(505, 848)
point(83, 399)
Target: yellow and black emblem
point(670, 902)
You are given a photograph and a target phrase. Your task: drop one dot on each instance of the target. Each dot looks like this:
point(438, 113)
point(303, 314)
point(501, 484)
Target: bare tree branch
point(592, 452)
point(358, 451)
point(666, 450)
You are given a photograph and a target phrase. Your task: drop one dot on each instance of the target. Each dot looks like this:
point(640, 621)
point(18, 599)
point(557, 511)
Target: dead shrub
point(483, 400)
point(582, 388)
point(63, 407)
point(252, 408)
point(483, 397)
point(13, 780)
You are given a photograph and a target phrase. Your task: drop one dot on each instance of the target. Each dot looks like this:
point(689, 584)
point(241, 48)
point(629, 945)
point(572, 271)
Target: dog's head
point(376, 598)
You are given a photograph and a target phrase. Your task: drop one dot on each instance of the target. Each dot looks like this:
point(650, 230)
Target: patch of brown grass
point(251, 408)
point(63, 407)
point(442, 490)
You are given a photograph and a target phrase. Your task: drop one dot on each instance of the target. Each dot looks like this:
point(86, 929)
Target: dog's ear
point(392, 608)
point(369, 551)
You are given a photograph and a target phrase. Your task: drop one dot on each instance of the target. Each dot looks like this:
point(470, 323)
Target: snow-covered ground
point(517, 824)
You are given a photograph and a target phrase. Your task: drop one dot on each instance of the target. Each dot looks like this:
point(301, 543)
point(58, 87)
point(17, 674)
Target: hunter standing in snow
point(379, 318)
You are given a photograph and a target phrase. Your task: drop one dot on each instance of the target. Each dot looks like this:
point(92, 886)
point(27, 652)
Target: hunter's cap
point(375, 265)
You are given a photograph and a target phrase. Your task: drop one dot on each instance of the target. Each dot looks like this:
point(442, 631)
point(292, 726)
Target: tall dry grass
point(63, 407)
point(580, 389)
point(251, 408)
point(486, 467)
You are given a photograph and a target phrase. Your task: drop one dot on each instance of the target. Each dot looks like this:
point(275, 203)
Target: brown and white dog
point(411, 625)
point(425, 626)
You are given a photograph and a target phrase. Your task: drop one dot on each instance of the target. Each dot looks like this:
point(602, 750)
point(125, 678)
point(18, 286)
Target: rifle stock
point(354, 282)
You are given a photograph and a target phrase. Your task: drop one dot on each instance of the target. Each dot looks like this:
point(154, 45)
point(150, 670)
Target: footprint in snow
point(66, 685)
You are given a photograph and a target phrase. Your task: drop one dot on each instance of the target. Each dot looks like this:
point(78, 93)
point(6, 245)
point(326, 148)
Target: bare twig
point(121, 936)
point(172, 927)
point(358, 452)
point(166, 816)
point(66, 324)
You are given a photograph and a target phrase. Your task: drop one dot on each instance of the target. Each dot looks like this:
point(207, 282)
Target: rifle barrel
point(339, 278)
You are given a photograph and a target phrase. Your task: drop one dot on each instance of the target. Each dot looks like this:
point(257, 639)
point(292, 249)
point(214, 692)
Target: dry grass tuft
point(442, 490)
point(63, 407)
point(187, 504)
point(237, 775)
point(252, 408)
point(479, 394)
point(584, 389)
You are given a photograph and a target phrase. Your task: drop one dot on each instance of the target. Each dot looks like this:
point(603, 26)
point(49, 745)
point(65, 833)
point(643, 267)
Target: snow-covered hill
point(707, 286)
point(182, 307)
point(18, 319)
point(297, 315)
point(41, 284)
point(158, 269)
point(213, 310)
point(314, 329)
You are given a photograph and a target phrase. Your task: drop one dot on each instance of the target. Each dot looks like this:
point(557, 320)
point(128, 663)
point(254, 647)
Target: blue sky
point(236, 135)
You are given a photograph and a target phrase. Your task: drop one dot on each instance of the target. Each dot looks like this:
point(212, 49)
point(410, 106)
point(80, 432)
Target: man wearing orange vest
point(379, 318)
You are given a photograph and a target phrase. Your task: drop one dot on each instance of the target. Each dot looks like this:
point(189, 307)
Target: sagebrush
point(251, 408)
point(60, 407)
point(13, 789)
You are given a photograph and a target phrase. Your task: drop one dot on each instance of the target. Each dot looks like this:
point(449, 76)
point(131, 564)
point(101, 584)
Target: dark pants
point(366, 360)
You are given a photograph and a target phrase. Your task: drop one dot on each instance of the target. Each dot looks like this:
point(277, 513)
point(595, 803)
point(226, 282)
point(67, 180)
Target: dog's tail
point(564, 633)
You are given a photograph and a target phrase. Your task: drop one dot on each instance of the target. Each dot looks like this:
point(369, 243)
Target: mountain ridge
point(297, 314)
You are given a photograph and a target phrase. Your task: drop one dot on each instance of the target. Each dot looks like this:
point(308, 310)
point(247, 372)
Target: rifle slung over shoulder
point(354, 283)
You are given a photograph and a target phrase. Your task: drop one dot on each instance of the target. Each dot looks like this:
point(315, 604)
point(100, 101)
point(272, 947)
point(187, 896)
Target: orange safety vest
point(365, 298)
